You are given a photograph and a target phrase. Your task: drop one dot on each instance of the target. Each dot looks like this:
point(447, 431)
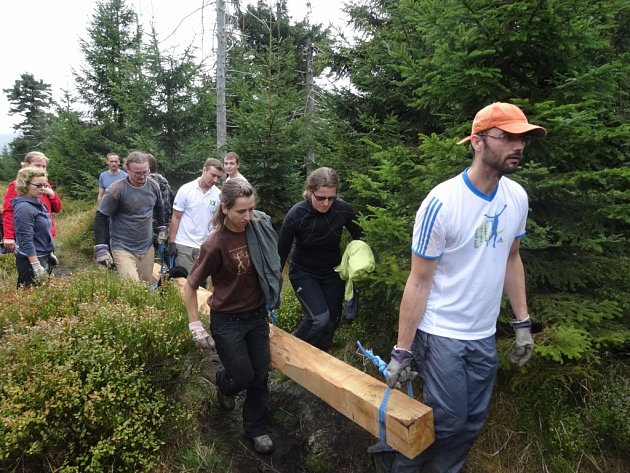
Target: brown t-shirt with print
point(225, 257)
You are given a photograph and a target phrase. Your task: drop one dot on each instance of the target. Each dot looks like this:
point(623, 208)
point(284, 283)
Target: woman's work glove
point(524, 343)
point(200, 336)
point(399, 368)
point(9, 245)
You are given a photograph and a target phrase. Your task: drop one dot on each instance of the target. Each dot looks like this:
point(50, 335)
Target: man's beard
point(499, 164)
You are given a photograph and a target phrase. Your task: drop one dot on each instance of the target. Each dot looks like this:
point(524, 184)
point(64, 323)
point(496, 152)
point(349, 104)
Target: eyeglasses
point(39, 186)
point(140, 173)
point(508, 137)
point(321, 198)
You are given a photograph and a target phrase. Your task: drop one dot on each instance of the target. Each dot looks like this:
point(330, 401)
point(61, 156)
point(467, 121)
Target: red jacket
point(53, 204)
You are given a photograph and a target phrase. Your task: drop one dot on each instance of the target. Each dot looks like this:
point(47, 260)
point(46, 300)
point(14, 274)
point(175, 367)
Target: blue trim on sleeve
point(424, 256)
point(428, 220)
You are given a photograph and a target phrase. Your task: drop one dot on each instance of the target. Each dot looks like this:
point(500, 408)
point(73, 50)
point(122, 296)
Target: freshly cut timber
point(202, 293)
point(357, 395)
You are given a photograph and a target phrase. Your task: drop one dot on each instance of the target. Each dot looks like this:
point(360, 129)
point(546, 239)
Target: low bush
point(91, 370)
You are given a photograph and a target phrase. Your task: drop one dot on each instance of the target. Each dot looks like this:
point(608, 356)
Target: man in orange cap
point(465, 253)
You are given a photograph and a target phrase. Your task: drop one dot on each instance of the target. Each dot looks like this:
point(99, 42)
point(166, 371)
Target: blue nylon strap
point(161, 250)
point(382, 366)
point(272, 315)
point(163, 268)
point(381, 415)
point(377, 360)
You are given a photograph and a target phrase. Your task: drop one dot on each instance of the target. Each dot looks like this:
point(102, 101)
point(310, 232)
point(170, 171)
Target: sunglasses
point(321, 198)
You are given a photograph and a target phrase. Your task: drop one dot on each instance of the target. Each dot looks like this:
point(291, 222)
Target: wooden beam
point(202, 293)
point(357, 395)
point(202, 296)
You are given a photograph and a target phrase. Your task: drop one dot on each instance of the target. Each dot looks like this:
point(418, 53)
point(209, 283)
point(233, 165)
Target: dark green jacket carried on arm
point(262, 241)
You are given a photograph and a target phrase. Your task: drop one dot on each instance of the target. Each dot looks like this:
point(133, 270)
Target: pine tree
point(113, 59)
point(32, 99)
point(426, 67)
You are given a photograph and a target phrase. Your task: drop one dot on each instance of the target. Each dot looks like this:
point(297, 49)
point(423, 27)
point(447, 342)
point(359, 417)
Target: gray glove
point(162, 234)
point(399, 370)
point(101, 252)
point(201, 338)
point(40, 275)
point(172, 249)
point(524, 343)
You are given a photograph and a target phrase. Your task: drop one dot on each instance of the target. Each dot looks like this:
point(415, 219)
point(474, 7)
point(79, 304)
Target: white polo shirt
point(470, 234)
point(198, 210)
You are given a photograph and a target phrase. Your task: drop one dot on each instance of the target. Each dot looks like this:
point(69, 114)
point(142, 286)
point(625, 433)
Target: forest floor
point(309, 436)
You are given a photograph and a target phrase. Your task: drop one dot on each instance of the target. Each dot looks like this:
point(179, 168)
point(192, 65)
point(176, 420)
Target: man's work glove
point(524, 343)
point(101, 253)
point(40, 275)
point(201, 338)
point(162, 234)
point(172, 249)
point(399, 368)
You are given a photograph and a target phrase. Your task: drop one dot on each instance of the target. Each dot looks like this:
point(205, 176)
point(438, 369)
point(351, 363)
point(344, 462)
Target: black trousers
point(321, 297)
point(242, 343)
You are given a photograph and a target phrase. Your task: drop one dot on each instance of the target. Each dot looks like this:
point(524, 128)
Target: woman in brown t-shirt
point(238, 316)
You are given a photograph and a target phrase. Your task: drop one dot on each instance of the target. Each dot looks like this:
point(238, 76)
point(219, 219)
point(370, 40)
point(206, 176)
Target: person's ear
point(476, 142)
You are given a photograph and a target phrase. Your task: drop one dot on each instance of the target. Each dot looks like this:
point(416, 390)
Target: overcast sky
point(42, 36)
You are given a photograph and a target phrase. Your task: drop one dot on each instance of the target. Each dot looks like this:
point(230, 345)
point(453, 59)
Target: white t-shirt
point(238, 176)
point(470, 234)
point(198, 210)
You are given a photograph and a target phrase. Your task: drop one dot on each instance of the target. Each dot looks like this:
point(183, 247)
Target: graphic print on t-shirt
point(240, 256)
point(489, 230)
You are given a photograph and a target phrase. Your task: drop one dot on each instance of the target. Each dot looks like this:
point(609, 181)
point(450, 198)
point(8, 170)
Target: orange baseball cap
point(506, 117)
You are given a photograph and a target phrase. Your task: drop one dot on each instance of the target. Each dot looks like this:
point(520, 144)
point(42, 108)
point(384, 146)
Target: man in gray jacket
point(131, 204)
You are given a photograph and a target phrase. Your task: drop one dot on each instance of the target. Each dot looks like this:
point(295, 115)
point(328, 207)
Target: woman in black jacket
point(313, 227)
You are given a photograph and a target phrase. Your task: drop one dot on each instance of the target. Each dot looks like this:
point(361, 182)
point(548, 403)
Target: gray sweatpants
point(458, 378)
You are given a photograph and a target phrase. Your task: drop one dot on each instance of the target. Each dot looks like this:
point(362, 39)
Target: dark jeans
point(321, 298)
point(242, 343)
point(26, 277)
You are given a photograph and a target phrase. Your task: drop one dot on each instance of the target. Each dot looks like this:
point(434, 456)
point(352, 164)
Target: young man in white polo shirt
point(193, 208)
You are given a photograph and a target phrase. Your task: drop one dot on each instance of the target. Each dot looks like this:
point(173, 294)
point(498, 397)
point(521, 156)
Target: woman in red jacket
point(49, 198)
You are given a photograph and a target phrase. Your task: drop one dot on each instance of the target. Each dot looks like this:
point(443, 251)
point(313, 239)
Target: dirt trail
point(309, 435)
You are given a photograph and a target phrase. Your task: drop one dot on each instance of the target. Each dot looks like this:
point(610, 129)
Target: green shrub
point(290, 311)
point(90, 369)
point(609, 411)
point(7, 268)
point(75, 233)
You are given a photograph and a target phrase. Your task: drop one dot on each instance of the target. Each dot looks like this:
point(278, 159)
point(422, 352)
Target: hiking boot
point(382, 456)
point(263, 444)
point(225, 402)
